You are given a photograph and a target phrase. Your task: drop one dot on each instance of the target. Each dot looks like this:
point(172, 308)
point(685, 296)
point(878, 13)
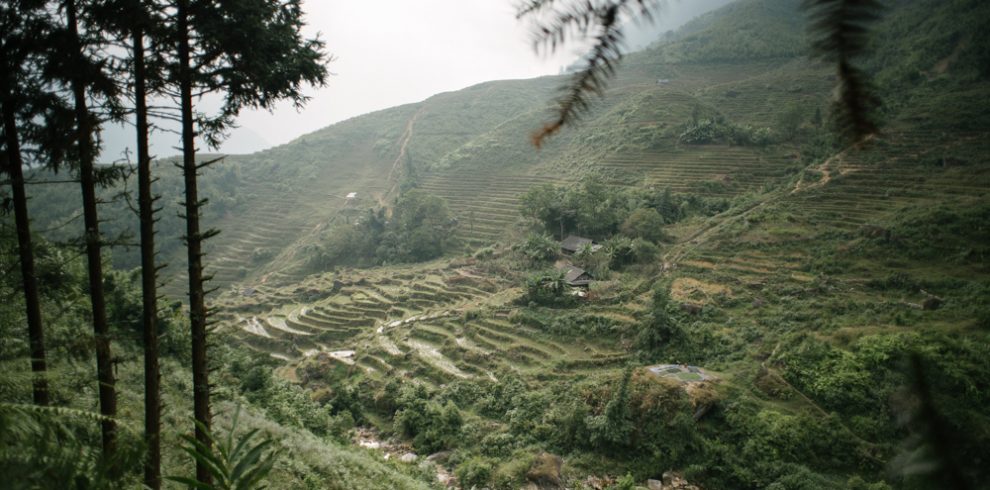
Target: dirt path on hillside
point(392, 182)
point(831, 167)
point(678, 251)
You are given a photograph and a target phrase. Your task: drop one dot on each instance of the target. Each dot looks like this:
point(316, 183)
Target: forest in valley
point(752, 254)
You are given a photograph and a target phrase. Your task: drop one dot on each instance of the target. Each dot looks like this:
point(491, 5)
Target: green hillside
point(797, 295)
point(821, 284)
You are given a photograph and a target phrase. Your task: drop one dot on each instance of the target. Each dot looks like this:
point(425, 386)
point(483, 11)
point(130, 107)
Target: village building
point(573, 243)
point(576, 276)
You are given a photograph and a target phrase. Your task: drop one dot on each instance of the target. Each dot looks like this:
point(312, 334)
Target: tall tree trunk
point(197, 300)
point(104, 367)
point(32, 300)
point(149, 276)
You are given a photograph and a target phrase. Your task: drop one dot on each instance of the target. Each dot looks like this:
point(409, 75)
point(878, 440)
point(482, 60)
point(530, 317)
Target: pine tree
point(83, 74)
point(149, 269)
point(128, 23)
point(252, 53)
point(33, 125)
point(13, 168)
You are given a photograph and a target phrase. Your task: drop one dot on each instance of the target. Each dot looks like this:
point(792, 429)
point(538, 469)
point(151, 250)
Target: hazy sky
point(391, 52)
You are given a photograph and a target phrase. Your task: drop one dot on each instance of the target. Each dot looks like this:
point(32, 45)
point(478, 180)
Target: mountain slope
point(817, 274)
point(828, 268)
point(744, 63)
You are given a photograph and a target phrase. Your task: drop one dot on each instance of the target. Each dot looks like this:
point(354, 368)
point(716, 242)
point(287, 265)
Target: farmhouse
point(573, 243)
point(576, 276)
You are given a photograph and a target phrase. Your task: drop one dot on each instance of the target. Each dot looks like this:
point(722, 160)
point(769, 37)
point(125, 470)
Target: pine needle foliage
point(600, 19)
point(839, 31)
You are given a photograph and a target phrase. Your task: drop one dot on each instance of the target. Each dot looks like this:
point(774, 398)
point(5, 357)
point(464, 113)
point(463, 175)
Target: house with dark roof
point(576, 276)
point(573, 243)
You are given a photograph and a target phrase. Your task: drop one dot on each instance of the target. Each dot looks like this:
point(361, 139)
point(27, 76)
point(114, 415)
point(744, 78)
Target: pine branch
point(604, 18)
point(840, 32)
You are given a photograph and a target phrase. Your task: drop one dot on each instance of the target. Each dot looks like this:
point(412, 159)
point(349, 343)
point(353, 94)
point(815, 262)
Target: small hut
point(577, 277)
point(573, 243)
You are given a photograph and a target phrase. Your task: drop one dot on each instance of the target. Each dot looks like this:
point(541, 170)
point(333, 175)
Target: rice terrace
point(720, 244)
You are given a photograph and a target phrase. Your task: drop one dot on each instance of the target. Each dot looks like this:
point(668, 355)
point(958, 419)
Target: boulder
point(597, 483)
point(439, 457)
point(674, 481)
point(408, 457)
point(545, 470)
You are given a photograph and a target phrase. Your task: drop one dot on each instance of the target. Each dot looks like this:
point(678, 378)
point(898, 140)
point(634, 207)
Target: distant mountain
point(745, 63)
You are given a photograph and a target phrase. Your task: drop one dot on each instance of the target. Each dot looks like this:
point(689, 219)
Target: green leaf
point(190, 482)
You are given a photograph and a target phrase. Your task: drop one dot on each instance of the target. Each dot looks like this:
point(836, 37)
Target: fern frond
point(64, 412)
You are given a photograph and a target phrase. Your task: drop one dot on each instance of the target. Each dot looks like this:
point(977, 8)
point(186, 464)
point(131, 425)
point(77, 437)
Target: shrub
point(484, 253)
point(545, 470)
point(645, 223)
point(644, 251)
point(612, 428)
point(431, 426)
point(626, 482)
point(474, 472)
point(549, 289)
point(510, 473)
point(498, 444)
point(660, 330)
point(539, 247)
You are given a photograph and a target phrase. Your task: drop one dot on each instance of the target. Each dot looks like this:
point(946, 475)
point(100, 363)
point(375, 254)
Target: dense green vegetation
point(305, 434)
point(838, 295)
point(420, 228)
point(56, 206)
point(596, 210)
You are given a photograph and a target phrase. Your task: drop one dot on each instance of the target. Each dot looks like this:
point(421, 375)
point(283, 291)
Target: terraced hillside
point(282, 200)
point(829, 269)
point(837, 295)
point(413, 318)
point(707, 170)
point(903, 170)
point(486, 203)
point(859, 196)
point(471, 148)
point(435, 322)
